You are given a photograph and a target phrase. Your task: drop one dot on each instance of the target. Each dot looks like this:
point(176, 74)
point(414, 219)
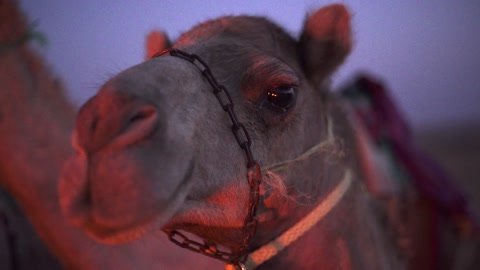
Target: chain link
point(254, 175)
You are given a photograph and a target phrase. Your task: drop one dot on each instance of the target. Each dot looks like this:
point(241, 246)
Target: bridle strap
point(271, 249)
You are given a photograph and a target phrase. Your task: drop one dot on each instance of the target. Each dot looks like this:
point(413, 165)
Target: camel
point(231, 135)
point(154, 148)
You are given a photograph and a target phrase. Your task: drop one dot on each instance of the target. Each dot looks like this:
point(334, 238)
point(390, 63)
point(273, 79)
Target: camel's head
point(154, 146)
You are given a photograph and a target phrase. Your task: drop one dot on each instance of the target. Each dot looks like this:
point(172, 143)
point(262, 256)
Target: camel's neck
point(347, 238)
point(350, 236)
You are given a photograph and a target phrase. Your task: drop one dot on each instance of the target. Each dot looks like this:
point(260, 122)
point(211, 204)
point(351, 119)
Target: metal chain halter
point(254, 176)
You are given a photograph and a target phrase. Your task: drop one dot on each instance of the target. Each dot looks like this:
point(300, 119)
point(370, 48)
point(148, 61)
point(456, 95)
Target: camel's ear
point(325, 41)
point(156, 42)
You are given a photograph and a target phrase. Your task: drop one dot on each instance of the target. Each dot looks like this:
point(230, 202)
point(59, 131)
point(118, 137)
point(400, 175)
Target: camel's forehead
point(251, 30)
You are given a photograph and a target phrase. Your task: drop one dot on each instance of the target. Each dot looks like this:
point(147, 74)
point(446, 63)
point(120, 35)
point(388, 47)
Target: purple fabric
point(385, 123)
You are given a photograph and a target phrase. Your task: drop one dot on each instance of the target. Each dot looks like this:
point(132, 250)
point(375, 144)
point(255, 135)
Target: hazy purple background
point(427, 52)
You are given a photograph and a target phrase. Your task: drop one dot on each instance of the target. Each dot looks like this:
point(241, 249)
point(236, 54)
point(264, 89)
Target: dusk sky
point(426, 52)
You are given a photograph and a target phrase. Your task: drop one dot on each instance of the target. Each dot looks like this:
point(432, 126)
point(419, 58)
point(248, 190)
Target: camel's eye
point(282, 98)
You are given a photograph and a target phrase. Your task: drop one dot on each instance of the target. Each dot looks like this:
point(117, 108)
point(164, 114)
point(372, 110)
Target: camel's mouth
point(109, 226)
point(162, 216)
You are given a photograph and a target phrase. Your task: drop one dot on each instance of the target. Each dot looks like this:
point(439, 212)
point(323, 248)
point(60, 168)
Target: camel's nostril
point(113, 121)
point(142, 114)
point(138, 126)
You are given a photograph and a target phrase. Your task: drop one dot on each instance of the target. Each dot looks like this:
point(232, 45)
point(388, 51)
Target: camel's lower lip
point(114, 236)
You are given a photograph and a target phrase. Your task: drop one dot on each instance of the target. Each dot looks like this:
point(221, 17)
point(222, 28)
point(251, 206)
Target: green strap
point(29, 35)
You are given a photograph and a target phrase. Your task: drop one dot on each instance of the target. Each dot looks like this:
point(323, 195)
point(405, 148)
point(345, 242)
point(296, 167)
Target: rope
point(314, 149)
point(268, 251)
